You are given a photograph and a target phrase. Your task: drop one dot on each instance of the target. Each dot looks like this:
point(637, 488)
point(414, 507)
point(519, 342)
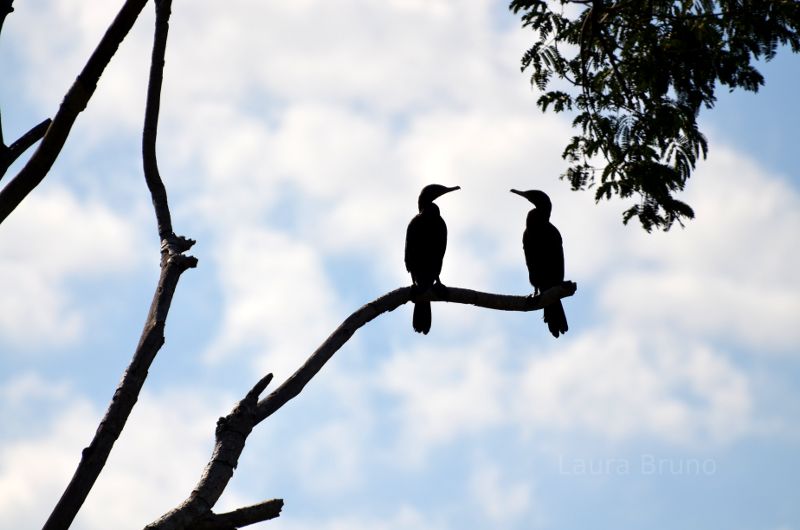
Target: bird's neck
point(428, 208)
point(539, 216)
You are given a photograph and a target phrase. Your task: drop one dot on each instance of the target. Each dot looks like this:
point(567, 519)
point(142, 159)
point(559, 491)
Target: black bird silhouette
point(544, 256)
point(426, 241)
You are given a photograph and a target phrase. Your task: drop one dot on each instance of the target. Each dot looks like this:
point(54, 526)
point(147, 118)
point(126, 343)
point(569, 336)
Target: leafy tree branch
point(643, 70)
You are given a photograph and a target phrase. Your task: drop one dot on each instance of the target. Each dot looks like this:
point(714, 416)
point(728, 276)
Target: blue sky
point(294, 140)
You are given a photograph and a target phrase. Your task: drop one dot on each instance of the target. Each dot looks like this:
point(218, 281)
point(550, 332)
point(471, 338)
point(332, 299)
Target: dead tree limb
point(232, 431)
point(173, 264)
point(10, 153)
point(151, 174)
point(6, 8)
point(248, 515)
point(94, 457)
point(76, 99)
point(389, 302)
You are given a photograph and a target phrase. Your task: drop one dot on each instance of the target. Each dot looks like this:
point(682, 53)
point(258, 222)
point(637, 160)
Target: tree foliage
point(637, 73)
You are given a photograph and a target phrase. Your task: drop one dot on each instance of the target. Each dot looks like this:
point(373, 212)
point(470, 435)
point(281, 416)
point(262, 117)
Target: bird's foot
point(534, 295)
point(419, 291)
point(569, 286)
point(438, 287)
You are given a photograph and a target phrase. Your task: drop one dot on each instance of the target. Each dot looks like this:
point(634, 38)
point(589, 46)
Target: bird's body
point(544, 252)
point(426, 242)
point(544, 256)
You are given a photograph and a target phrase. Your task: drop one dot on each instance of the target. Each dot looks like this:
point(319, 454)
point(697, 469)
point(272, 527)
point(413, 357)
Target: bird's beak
point(448, 190)
point(521, 194)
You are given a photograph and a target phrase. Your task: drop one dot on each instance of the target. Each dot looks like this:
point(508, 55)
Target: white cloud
point(51, 238)
point(33, 472)
point(614, 385)
point(277, 300)
point(731, 274)
point(501, 500)
point(404, 518)
point(734, 309)
point(31, 386)
point(619, 385)
point(357, 51)
point(24, 395)
point(442, 393)
point(332, 454)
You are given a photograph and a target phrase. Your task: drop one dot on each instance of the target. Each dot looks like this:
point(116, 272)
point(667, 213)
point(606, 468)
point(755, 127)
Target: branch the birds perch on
point(233, 430)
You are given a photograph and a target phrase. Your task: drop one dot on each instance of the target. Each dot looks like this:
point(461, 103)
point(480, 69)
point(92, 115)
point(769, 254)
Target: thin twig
point(9, 154)
point(29, 138)
point(257, 513)
point(151, 174)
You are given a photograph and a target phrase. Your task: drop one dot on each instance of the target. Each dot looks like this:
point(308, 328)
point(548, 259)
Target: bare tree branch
point(151, 174)
point(173, 264)
point(95, 455)
point(6, 8)
point(248, 515)
point(9, 154)
point(22, 144)
point(74, 102)
point(389, 302)
point(231, 433)
point(232, 430)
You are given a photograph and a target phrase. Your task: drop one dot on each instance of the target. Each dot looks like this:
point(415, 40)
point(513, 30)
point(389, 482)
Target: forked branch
point(232, 430)
point(173, 264)
point(76, 99)
point(10, 153)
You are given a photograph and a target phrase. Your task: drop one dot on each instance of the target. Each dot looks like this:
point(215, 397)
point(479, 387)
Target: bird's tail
point(422, 317)
point(556, 319)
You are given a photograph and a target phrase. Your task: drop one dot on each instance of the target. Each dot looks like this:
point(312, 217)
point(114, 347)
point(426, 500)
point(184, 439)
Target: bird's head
point(538, 198)
point(432, 192)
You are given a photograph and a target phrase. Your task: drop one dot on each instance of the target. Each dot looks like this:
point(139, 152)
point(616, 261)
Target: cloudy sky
point(295, 137)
